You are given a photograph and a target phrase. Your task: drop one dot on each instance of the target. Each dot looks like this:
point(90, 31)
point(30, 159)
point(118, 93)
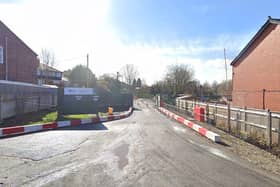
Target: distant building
point(256, 70)
point(17, 61)
point(49, 75)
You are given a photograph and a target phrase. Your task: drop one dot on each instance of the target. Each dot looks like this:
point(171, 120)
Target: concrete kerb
point(17, 130)
point(201, 130)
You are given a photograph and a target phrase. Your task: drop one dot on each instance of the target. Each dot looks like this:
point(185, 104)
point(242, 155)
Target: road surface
point(146, 149)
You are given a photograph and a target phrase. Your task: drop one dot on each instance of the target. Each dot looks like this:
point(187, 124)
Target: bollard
point(110, 110)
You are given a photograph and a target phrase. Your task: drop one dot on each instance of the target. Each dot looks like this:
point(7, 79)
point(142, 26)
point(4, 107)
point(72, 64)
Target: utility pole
point(6, 58)
point(226, 68)
point(118, 76)
point(87, 69)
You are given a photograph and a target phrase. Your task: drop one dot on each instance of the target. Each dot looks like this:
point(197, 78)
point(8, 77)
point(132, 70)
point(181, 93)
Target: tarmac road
point(146, 149)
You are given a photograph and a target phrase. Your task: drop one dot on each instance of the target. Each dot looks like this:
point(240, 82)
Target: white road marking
point(179, 129)
point(212, 150)
point(216, 152)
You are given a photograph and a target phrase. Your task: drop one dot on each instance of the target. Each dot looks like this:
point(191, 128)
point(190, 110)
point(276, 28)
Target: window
point(1, 55)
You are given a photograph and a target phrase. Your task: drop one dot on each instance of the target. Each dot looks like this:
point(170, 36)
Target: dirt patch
point(121, 152)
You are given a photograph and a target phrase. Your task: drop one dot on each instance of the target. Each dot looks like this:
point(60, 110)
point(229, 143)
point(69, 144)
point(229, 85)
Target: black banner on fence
point(91, 101)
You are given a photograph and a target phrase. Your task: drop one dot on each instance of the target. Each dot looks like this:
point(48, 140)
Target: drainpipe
point(263, 99)
point(6, 58)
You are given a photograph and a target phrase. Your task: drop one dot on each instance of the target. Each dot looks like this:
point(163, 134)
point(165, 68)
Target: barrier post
point(269, 129)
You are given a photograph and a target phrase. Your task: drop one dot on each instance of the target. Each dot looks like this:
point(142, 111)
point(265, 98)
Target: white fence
point(241, 121)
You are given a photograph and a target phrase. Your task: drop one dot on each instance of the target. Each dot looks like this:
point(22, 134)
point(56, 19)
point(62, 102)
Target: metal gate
point(90, 101)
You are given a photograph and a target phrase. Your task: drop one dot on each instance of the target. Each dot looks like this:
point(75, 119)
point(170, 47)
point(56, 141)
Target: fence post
point(279, 132)
point(207, 113)
point(215, 113)
point(268, 129)
point(245, 119)
point(238, 123)
point(228, 117)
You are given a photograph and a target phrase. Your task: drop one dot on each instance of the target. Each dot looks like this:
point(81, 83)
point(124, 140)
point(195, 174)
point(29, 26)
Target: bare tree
point(178, 78)
point(47, 57)
point(129, 73)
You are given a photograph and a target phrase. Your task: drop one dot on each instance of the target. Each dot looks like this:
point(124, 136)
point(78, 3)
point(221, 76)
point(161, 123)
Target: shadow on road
point(86, 127)
point(137, 109)
point(224, 144)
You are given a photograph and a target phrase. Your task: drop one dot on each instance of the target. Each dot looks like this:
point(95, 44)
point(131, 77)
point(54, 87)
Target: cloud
point(75, 28)
point(9, 1)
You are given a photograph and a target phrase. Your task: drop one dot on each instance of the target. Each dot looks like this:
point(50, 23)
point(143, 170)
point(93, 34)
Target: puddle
point(121, 152)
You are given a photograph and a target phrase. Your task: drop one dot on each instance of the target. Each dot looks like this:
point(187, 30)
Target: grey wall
point(20, 98)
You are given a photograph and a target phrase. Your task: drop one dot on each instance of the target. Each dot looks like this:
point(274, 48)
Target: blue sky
point(151, 34)
point(163, 22)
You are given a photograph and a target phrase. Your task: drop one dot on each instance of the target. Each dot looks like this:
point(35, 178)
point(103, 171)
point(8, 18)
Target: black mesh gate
point(90, 101)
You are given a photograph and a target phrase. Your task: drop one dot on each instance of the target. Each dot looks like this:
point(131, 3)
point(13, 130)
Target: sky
point(151, 34)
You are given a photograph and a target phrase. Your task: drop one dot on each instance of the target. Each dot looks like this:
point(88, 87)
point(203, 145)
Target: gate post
point(59, 103)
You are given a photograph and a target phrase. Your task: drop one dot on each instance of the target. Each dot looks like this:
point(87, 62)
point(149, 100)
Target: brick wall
point(259, 69)
point(22, 61)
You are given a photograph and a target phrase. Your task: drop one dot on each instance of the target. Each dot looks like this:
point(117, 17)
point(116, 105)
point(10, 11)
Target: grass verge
point(46, 116)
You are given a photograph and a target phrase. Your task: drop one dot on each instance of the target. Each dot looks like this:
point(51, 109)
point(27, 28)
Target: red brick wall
point(259, 69)
point(22, 61)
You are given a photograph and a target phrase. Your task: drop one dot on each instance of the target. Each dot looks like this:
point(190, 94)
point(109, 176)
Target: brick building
point(22, 61)
point(256, 70)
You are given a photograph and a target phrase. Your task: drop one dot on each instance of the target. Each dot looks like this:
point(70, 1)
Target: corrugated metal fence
point(19, 98)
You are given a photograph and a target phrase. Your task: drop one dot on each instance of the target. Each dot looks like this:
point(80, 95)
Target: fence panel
point(20, 98)
point(259, 124)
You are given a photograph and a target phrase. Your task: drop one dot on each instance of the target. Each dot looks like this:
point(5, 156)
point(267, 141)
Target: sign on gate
point(79, 91)
point(89, 101)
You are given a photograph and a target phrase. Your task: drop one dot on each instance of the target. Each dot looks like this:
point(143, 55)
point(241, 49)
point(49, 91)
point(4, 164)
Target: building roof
point(46, 67)
point(257, 35)
point(1, 23)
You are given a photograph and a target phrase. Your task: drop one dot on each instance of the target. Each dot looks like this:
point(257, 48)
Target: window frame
point(1, 55)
